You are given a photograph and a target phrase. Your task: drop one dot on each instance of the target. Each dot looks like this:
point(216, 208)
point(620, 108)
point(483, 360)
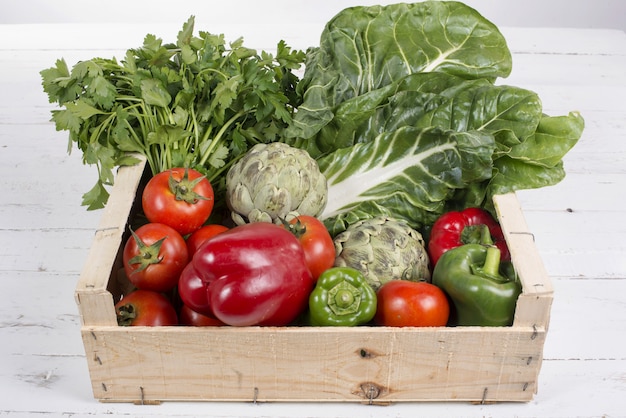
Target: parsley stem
point(219, 135)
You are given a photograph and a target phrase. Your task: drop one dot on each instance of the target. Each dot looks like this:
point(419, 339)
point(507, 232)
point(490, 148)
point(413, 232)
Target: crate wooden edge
point(95, 302)
point(380, 365)
point(535, 302)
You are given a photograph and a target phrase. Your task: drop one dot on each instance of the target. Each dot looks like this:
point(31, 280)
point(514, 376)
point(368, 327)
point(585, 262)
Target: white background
point(609, 14)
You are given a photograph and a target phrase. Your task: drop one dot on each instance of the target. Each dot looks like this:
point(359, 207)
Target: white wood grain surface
point(578, 225)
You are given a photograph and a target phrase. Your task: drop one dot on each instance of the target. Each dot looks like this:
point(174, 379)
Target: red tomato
point(145, 308)
point(198, 237)
point(181, 198)
point(402, 303)
point(192, 318)
point(154, 256)
point(318, 245)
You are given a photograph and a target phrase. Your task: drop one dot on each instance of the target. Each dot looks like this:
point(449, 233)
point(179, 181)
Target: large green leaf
point(538, 161)
point(402, 103)
point(433, 99)
point(408, 173)
point(365, 48)
point(511, 175)
point(554, 137)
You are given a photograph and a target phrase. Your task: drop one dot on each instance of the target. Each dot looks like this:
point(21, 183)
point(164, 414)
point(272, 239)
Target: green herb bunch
point(199, 103)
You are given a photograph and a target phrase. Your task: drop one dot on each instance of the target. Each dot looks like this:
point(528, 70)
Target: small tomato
point(402, 303)
point(154, 256)
point(180, 197)
point(145, 308)
point(318, 245)
point(199, 236)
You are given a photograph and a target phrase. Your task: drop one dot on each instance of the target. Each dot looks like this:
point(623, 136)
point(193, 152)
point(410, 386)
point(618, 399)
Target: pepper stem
point(344, 299)
point(492, 262)
point(491, 266)
point(485, 235)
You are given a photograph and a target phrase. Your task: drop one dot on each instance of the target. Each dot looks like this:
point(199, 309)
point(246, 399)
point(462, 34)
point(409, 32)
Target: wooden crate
point(378, 365)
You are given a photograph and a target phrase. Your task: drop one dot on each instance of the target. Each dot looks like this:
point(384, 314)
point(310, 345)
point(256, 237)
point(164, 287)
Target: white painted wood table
point(579, 227)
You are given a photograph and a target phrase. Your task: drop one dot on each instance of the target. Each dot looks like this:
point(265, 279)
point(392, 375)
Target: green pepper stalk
point(342, 297)
point(483, 291)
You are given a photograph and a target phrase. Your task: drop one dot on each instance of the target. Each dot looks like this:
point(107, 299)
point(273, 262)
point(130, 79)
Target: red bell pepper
point(254, 274)
point(192, 291)
point(453, 229)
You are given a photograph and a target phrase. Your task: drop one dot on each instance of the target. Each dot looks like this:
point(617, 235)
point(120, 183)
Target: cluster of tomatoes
point(177, 204)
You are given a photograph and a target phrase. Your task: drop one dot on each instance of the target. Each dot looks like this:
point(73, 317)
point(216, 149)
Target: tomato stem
point(298, 228)
point(126, 314)
point(183, 189)
point(148, 254)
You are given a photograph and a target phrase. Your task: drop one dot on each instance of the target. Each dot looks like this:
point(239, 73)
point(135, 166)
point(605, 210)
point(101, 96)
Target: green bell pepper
point(342, 297)
point(483, 291)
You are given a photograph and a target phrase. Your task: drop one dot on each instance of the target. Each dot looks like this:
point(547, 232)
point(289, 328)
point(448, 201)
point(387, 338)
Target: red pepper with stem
point(453, 229)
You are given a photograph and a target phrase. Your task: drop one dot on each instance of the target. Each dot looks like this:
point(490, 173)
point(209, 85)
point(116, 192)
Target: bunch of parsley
point(199, 103)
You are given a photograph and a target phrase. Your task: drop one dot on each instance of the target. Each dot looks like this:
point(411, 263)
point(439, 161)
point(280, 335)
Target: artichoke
point(274, 181)
point(383, 249)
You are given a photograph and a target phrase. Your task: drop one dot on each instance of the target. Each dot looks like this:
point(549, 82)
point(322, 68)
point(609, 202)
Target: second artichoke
point(383, 249)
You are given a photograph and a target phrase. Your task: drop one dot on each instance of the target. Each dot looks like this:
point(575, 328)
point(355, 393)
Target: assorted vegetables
point(402, 110)
point(360, 194)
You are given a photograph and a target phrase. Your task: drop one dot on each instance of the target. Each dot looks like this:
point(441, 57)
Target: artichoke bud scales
point(275, 181)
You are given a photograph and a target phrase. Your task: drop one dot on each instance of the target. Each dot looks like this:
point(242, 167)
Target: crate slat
point(535, 302)
point(362, 364)
point(95, 302)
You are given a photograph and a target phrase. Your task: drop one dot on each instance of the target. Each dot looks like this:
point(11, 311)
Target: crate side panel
point(533, 307)
point(92, 295)
point(521, 243)
point(313, 364)
point(533, 310)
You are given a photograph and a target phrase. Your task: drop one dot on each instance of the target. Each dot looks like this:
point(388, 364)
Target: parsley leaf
point(198, 102)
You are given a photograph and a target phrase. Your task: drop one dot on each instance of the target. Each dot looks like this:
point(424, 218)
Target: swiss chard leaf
point(554, 137)
point(408, 173)
point(432, 99)
point(365, 48)
point(538, 161)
